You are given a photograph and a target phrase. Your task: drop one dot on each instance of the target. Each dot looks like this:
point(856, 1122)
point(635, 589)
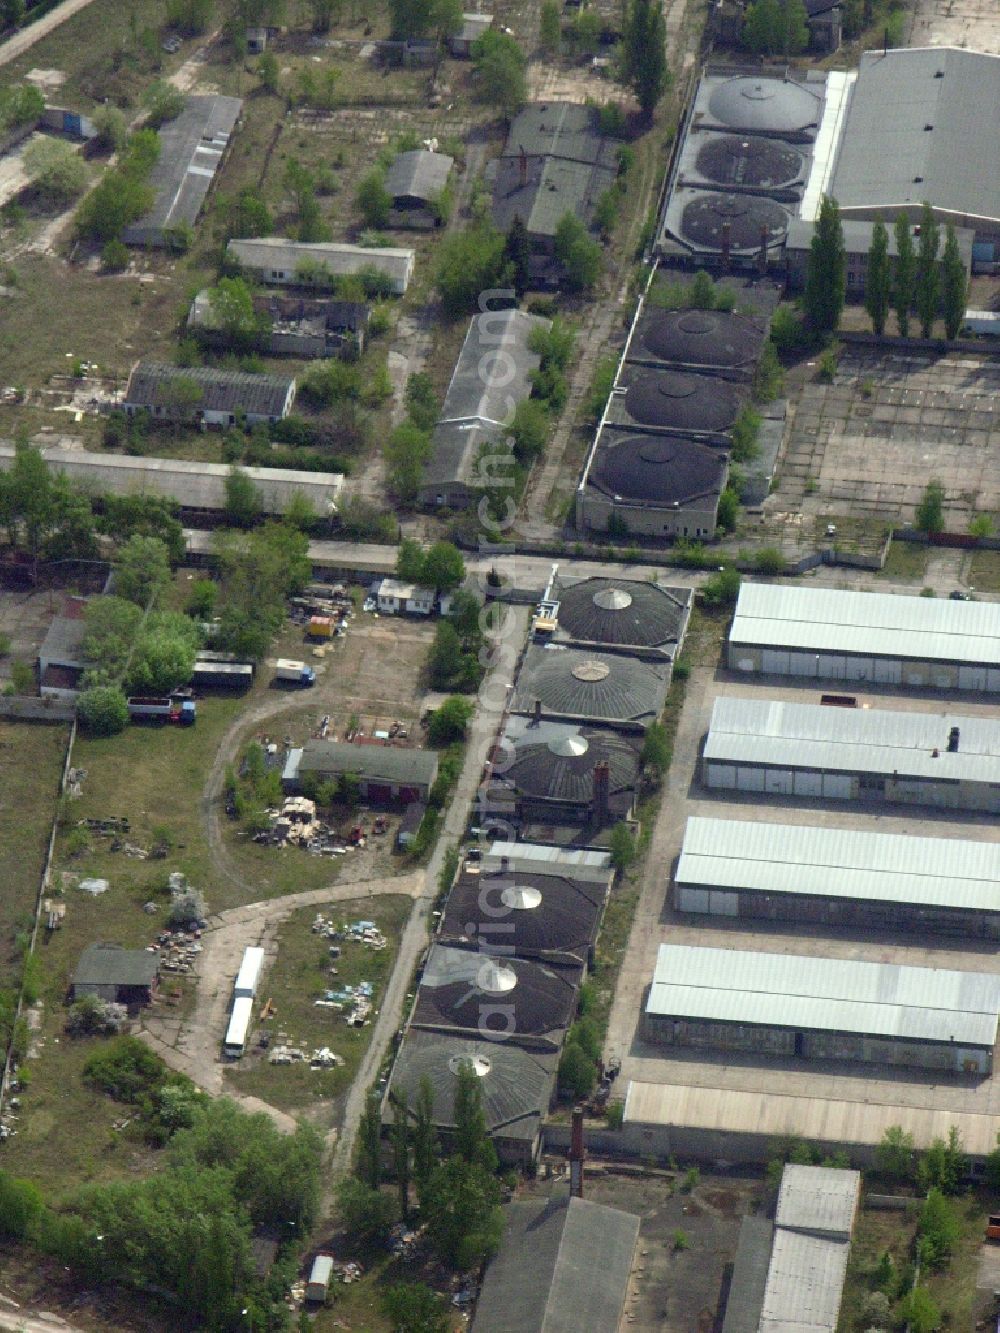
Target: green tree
point(323, 12)
point(231, 302)
point(268, 71)
point(929, 517)
point(622, 847)
point(370, 1142)
point(443, 567)
point(939, 1229)
point(243, 503)
point(365, 1213)
point(57, 172)
point(470, 262)
point(112, 128)
point(894, 1156)
point(644, 53)
point(142, 570)
point(461, 1204)
point(529, 430)
point(728, 512)
point(954, 284)
point(163, 102)
point(550, 27)
point(449, 722)
point(517, 250)
point(102, 710)
point(408, 448)
point(413, 1307)
point(246, 215)
point(918, 1311)
point(400, 1139)
point(580, 255)
point(445, 656)
point(823, 298)
point(422, 404)
point(905, 274)
point(944, 1164)
point(655, 754)
point(471, 1140)
point(424, 1137)
point(577, 1073)
point(501, 71)
point(164, 654)
point(374, 200)
point(410, 561)
point(927, 276)
point(878, 282)
point(410, 18)
point(20, 1207)
point(762, 27)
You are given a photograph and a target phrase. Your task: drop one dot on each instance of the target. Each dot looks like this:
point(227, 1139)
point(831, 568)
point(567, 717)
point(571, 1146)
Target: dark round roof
point(657, 468)
point(698, 337)
point(547, 913)
point(756, 102)
point(678, 401)
point(736, 159)
point(620, 611)
point(581, 682)
point(563, 769)
point(705, 217)
point(465, 988)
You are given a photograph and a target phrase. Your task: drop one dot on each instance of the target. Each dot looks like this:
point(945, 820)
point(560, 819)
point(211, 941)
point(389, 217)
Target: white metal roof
point(823, 1199)
point(805, 1283)
point(250, 968)
point(578, 863)
point(841, 863)
point(825, 994)
point(872, 624)
point(853, 740)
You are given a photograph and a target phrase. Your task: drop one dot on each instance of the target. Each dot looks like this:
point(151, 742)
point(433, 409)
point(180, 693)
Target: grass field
point(984, 571)
point(906, 560)
point(299, 977)
point(31, 760)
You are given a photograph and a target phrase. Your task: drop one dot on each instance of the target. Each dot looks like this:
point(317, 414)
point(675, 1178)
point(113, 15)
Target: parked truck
point(294, 673)
point(168, 708)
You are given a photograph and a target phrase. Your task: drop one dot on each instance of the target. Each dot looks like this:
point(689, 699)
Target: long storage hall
point(814, 1008)
point(760, 746)
point(838, 634)
point(839, 877)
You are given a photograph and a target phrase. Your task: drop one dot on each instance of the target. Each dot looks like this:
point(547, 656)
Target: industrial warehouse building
point(197, 488)
point(816, 1008)
point(581, 683)
point(839, 877)
point(714, 341)
point(838, 634)
point(759, 746)
point(386, 773)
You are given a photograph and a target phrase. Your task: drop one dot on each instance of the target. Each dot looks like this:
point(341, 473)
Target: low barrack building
point(388, 774)
point(204, 396)
point(115, 974)
point(321, 264)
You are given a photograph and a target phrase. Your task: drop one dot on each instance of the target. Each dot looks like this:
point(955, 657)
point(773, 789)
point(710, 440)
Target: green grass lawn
point(984, 571)
point(906, 560)
point(299, 977)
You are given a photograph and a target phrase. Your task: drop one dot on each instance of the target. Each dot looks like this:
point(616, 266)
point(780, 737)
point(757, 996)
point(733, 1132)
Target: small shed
point(473, 27)
point(415, 181)
point(319, 1278)
point(122, 976)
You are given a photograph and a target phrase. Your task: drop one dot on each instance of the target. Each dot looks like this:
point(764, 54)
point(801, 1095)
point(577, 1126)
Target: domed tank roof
point(706, 216)
point(755, 102)
point(697, 338)
point(737, 159)
point(657, 469)
point(676, 401)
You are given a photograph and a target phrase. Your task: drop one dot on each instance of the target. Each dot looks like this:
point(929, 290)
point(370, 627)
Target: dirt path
point(25, 39)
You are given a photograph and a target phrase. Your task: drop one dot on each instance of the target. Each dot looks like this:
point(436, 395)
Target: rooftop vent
point(612, 599)
point(568, 747)
point(479, 1064)
point(521, 897)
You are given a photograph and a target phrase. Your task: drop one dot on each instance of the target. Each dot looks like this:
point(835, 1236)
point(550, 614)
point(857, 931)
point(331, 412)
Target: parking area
point(866, 445)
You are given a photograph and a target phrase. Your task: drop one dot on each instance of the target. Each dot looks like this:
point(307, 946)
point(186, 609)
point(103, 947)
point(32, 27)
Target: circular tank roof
point(495, 979)
point(569, 747)
point(600, 610)
point(676, 401)
point(657, 469)
point(591, 671)
point(613, 599)
point(479, 1064)
point(737, 159)
point(759, 103)
point(521, 897)
point(699, 337)
point(706, 217)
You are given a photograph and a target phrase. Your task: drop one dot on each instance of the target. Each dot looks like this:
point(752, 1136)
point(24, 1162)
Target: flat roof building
point(840, 634)
point(762, 746)
point(387, 773)
point(839, 877)
point(321, 264)
point(206, 396)
point(193, 148)
point(816, 1008)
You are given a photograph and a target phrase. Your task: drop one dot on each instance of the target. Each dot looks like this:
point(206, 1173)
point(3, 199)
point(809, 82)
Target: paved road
point(25, 39)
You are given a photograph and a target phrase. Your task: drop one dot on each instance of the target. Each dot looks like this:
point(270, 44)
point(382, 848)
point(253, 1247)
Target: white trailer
point(248, 976)
point(239, 1027)
point(319, 1278)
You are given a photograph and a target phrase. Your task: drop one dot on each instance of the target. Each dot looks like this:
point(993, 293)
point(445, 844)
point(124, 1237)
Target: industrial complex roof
point(840, 620)
point(841, 863)
point(376, 763)
point(583, 683)
point(555, 761)
point(191, 150)
point(495, 994)
point(516, 1084)
point(805, 1283)
point(675, 400)
point(560, 129)
point(715, 339)
point(418, 174)
point(151, 385)
point(821, 1199)
point(546, 913)
point(657, 469)
point(193, 485)
point(623, 612)
point(708, 217)
point(914, 131)
point(869, 740)
point(825, 994)
point(562, 1267)
point(748, 161)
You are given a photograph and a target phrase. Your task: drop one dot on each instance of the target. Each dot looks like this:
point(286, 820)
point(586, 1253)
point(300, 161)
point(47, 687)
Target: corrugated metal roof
point(150, 382)
point(342, 259)
point(825, 994)
point(822, 1199)
point(418, 174)
point(873, 624)
point(848, 740)
point(374, 763)
point(841, 863)
point(565, 858)
point(745, 1298)
point(805, 1283)
point(819, 1119)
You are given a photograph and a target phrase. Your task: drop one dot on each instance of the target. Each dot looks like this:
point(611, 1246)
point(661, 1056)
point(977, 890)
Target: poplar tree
point(955, 284)
point(927, 278)
point(902, 288)
point(826, 270)
point(878, 285)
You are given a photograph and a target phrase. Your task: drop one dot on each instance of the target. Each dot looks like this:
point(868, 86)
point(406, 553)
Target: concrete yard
point(973, 24)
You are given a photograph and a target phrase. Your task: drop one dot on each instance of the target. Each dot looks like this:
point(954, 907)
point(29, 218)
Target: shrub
point(102, 710)
point(114, 256)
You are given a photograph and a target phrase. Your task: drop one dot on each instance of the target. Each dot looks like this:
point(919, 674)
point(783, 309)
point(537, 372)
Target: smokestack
point(953, 741)
point(505, 865)
point(523, 165)
point(538, 712)
point(762, 258)
point(602, 788)
point(727, 229)
point(576, 1155)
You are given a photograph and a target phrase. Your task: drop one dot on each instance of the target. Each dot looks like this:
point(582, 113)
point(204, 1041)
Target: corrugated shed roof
point(376, 763)
point(769, 1114)
point(150, 384)
point(821, 1199)
point(848, 740)
point(805, 1283)
point(825, 994)
point(802, 859)
point(873, 624)
point(418, 174)
point(563, 1267)
point(914, 131)
point(193, 485)
point(342, 259)
point(746, 1288)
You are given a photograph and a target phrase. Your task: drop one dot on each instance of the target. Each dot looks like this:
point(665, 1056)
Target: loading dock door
point(971, 678)
point(803, 664)
point(774, 662)
point(720, 775)
point(837, 786)
point(778, 781)
point(832, 668)
point(808, 784)
point(860, 668)
point(887, 672)
point(750, 779)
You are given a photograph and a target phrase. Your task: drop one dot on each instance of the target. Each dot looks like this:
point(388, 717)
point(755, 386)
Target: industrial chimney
point(953, 741)
point(538, 712)
point(726, 242)
point(602, 789)
point(576, 1155)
